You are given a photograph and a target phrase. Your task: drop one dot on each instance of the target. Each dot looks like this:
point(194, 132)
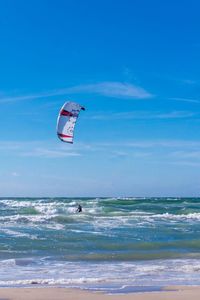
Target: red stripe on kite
point(66, 113)
point(64, 135)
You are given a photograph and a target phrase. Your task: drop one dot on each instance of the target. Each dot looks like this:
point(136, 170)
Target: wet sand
point(170, 293)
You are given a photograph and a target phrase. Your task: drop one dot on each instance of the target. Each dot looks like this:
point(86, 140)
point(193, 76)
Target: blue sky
point(134, 65)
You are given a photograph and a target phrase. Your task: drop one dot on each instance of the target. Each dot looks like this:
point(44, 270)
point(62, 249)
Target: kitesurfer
point(79, 208)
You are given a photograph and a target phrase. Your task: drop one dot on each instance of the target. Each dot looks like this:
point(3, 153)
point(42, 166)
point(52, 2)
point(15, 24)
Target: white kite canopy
point(66, 121)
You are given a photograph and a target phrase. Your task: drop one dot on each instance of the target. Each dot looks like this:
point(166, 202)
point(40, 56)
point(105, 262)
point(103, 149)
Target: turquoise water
point(113, 243)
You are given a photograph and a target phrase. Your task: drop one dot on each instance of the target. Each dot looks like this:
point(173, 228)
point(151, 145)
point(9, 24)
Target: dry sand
point(178, 293)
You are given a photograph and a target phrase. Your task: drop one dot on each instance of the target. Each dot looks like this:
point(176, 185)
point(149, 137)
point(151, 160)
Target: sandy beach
point(175, 292)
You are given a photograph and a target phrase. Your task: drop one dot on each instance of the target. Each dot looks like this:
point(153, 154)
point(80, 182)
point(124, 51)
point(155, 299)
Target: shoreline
point(56, 293)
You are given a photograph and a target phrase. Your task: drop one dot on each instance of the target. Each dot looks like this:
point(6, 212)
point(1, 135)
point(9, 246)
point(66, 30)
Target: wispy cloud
point(176, 115)
point(185, 100)
point(49, 153)
point(108, 89)
point(154, 144)
point(187, 154)
point(189, 81)
point(180, 152)
point(114, 89)
point(44, 149)
point(144, 115)
point(7, 99)
point(137, 154)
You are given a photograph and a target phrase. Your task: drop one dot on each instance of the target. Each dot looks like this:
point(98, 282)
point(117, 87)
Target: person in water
point(79, 208)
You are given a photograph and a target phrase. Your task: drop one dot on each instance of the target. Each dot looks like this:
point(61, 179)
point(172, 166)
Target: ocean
point(113, 244)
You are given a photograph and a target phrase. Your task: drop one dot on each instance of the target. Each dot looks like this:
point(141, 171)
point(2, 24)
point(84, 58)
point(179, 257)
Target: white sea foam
point(191, 216)
point(26, 218)
point(49, 281)
point(7, 263)
point(65, 273)
point(15, 233)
